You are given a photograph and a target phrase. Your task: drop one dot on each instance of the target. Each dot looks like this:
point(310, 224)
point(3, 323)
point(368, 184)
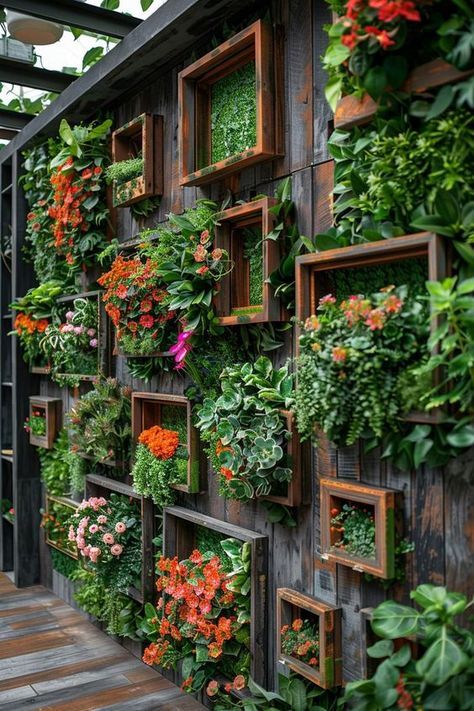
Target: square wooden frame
point(178, 539)
point(422, 244)
point(226, 234)
point(148, 129)
point(253, 43)
point(97, 485)
point(383, 501)
point(53, 408)
point(300, 457)
point(69, 504)
point(329, 673)
point(141, 420)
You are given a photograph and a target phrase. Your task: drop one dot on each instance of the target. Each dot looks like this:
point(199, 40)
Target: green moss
point(233, 113)
point(63, 564)
point(368, 280)
point(125, 170)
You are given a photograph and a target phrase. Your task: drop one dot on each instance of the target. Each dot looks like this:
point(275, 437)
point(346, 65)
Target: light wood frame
point(53, 411)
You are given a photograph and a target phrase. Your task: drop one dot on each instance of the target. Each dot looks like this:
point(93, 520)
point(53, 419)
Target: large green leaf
point(442, 659)
point(392, 620)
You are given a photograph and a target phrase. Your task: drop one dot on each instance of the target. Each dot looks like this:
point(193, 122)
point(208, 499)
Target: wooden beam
point(14, 120)
point(16, 72)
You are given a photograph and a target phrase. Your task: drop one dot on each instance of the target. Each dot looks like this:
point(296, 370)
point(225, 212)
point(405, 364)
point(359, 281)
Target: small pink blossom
point(93, 343)
point(116, 549)
point(91, 332)
point(101, 519)
point(108, 539)
point(328, 299)
point(120, 527)
point(200, 253)
point(94, 528)
point(69, 315)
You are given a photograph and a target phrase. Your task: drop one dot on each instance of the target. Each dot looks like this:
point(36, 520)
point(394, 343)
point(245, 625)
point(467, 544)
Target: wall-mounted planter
point(315, 274)
point(179, 539)
point(149, 409)
point(199, 85)
point(377, 504)
point(244, 295)
point(97, 485)
point(46, 413)
point(326, 619)
point(141, 137)
point(56, 536)
point(351, 111)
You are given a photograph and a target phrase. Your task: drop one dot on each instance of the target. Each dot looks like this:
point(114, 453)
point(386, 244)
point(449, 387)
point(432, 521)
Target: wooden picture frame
point(179, 526)
point(299, 454)
point(142, 134)
point(351, 111)
point(234, 289)
point(255, 43)
point(97, 485)
point(147, 411)
point(67, 504)
point(329, 672)
point(336, 491)
point(52, 407)
point(313, 270)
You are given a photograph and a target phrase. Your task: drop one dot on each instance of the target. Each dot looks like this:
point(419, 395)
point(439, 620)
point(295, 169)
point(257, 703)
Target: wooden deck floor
point(51, 657)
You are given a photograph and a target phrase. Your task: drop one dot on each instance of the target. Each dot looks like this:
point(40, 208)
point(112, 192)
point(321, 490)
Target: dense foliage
point(301, 641)
point(36, 309)
point(353, 527)
point(54, 465)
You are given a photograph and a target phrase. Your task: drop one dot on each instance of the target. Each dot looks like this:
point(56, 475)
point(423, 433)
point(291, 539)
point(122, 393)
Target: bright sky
point(69, 52)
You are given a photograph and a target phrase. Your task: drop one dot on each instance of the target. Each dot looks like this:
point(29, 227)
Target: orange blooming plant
point(301, 641)
point(35, 309)
point(202, 616)
point(357, 364)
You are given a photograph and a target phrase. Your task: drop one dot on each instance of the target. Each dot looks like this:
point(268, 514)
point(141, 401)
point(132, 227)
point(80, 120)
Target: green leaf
point(392, 620)
point(444, 99)
point(442, 659)
point(92, 56)
point(145, 4)
point(375, 82)
point(382, 648)
point(462, 438)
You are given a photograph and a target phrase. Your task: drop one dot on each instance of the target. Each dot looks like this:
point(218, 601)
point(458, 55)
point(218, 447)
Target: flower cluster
point(161, 442)
point(205, 255)
point(353, 530)
point(106, 532)
point(357, 362)
point(376, 21)
point(237, 684)
point(29, 331)
point(136, 302)
point(301, 640)
point(199, 617)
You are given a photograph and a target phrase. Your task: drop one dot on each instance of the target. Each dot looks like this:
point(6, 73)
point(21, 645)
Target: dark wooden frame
point(103, 364)
point(178, 539)
point(422, 244)
point(146, 129)
point(383, 502)
point(351, 111)
point(329, 672)
point(97, 485)
point(146, 412)
point(234, 284)
point(67, 503)
point(253, 43)
point(53, 410)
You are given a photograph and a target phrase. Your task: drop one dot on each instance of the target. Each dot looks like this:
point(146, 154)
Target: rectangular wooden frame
point(146, 129)
point(53, 408)
point(97, 485)
point(230, 222)
point(329, 673)
point(351, 111)
point(103, 365)
point(178, 539)
point(421, 244)
point(300, 456)
point(67, 503)
point(253, 43)
point(383, 502)
point(141, 421)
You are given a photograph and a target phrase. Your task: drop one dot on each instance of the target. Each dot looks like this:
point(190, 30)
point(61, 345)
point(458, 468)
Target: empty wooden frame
point(143, 136)
point(50, 410)
point(61, 509)
point(179, 537)
point(336, 492)
point(149, 409)
point(254, 44)
point(291, 605)
point(236, 226)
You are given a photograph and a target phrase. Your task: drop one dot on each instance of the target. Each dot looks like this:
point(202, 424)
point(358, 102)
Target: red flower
point(87, 173)
point(97, 170)
point(146, 305)
point(132, 326)
point(390, 11)
point(121, 291)
point(147, 321)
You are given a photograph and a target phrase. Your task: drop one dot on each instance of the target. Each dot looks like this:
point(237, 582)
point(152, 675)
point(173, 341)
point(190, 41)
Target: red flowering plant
point(301, 641)
point(357, 362)
point(65, 189)
point(202, 617)
point(374, 43)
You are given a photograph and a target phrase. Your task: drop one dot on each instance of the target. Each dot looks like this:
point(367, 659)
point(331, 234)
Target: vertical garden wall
point(251, 268)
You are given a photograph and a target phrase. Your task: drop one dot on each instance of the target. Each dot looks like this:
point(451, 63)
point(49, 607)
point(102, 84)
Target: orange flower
point(162, 443)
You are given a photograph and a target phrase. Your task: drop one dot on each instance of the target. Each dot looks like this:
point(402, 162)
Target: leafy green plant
point(354, 527)
point(55, 465)
point(100, 422)
point(301, 641)
point(443, 675)
point(124, 170)
point(246, 434)
point(63, 563)
point(77, 472)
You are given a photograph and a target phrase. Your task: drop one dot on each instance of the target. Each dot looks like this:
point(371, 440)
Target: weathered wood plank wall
point(436, 502)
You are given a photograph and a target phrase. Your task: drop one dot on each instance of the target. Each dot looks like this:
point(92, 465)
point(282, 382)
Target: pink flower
point(91, 332)
point(94, 553)
point(108, 539)
point(200, 253)
point(375, 319)
point(181, 348)
point(69, 315)
point(93, 343)
point(204, 237)
point(71, 536)
point(101, 519)
point(120, 527)
point(328, 299)
point(216, 254)
point(80, 543)
point(116, 549)
point(94, 528)
point(78, 330)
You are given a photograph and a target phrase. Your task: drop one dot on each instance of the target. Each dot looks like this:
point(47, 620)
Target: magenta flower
point(93, 343)
point(181, 348)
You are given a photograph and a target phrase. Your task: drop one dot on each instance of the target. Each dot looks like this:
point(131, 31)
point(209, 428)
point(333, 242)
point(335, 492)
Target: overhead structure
point(14, 120)
point(18, 72)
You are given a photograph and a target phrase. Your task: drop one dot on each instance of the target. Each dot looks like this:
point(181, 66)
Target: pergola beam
point(14, 120)
point(78, 14)
point(17, 72)
point(6, 134)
